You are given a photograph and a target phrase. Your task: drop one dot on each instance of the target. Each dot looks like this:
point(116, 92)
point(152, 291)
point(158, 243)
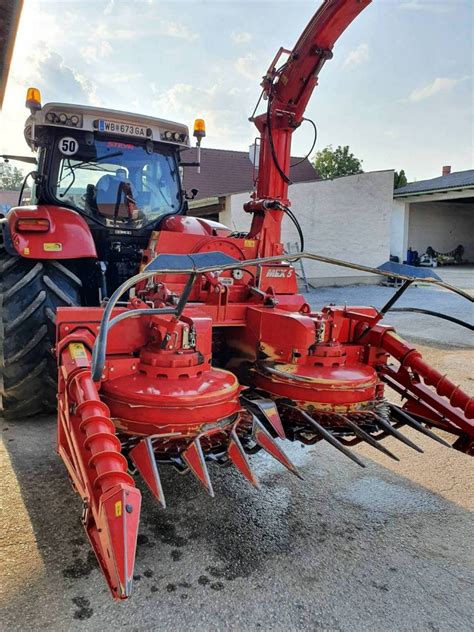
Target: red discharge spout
point(410, 358)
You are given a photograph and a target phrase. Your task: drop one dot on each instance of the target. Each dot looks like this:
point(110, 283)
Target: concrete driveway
point(381, 548)
point(460, 276)
point(385, 548)
point(415, 327)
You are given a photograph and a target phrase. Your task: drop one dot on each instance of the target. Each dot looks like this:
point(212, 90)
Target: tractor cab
point(120, 171)
point(103, 182)
point(116, 173)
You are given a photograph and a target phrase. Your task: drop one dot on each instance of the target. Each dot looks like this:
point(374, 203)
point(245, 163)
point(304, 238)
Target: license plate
point(127, 129)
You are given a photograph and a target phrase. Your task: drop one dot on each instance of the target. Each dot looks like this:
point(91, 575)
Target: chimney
point(446, 170)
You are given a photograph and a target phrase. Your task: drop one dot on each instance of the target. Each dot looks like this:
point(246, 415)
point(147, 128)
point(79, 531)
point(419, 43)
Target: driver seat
point(107, 190)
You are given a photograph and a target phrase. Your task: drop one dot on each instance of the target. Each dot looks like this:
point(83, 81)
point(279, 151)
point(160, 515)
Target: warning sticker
point(52, 247)
point(118, 508)
point(249, 243)
point(77, 351)
point(226, 280)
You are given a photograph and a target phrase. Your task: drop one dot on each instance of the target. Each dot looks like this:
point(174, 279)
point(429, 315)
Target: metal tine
point(393, 431)
point(236, 454)
point(194, 458)
point(328, 436)
point(143, 457)
point(264, 439)
point(408, 419)
point(365, 436)
point(269, 410)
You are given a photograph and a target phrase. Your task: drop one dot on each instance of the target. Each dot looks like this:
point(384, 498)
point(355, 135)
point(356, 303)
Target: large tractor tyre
point(3, 252)
point(30, 293)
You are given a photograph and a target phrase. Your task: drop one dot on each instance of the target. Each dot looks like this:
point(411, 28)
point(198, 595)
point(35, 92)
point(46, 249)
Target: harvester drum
point(194, 348)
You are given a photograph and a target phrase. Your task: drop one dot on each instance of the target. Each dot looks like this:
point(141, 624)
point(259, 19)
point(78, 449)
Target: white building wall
point(346, 218)
point(399, 230)
point(442, 225)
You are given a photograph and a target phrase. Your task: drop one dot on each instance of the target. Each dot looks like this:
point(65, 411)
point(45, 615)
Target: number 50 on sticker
point(68, 146)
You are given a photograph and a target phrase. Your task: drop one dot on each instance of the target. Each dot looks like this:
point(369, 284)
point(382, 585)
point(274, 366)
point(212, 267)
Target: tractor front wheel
point(30, 293)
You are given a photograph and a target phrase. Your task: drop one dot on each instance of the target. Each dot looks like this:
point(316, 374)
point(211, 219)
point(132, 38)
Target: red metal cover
point(68, 236)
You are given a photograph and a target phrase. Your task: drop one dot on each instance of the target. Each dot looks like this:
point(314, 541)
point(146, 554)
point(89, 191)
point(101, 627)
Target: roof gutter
point(13, 9)
point(210, 201)
point(434, 191)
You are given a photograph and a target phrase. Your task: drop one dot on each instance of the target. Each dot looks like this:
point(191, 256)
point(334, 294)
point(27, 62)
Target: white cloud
point(119, 25)
point(107, 32)
point(93, 53)
point(241, 38)
point(440, 84)
point(60, 80)
point(120, 77)
point(357, 56)
point(109, 7)
point(248, 67)
point(175, 29)
point(435, 6)
point(224, 108)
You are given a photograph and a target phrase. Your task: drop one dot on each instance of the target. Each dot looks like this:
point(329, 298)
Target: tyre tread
point(30, 293)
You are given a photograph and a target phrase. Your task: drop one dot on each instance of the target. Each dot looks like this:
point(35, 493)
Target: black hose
point(312, 146)
point(429, 312)
point(295, 221)
point(283, 175)
point(23, 186)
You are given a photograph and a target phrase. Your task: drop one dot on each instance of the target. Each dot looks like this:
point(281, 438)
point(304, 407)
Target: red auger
point(410, 358)
point(93, 454)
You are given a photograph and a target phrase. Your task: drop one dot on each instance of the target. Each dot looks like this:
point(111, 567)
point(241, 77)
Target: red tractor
point(208, 354)
point(103, 182)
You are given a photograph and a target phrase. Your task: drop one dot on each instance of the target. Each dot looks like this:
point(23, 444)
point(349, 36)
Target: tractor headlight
point(176, 137)
point(63, 118)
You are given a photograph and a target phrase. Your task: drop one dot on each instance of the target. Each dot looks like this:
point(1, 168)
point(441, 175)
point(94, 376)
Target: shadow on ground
point(345, 549)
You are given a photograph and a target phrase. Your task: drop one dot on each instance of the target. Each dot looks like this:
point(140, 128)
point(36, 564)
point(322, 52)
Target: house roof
point(226, 171)
point(457, 180)
point(10, 11)
point(7, 200)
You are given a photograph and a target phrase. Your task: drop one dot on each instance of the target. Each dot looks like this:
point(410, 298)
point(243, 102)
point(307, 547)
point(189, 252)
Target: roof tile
point(455, 180)
point(226, 171)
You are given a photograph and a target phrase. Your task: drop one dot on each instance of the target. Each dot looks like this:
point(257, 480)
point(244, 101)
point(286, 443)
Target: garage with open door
point(433, 220)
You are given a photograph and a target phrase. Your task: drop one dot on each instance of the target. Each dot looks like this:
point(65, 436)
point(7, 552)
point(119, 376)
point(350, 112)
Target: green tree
point(331, 163)
point(399, 179)
point(11, 178)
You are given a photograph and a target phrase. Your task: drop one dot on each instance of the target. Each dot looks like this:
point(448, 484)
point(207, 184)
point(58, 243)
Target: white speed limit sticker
point(68, 146)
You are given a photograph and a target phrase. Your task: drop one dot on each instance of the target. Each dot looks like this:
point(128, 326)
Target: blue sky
point(399, 90)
